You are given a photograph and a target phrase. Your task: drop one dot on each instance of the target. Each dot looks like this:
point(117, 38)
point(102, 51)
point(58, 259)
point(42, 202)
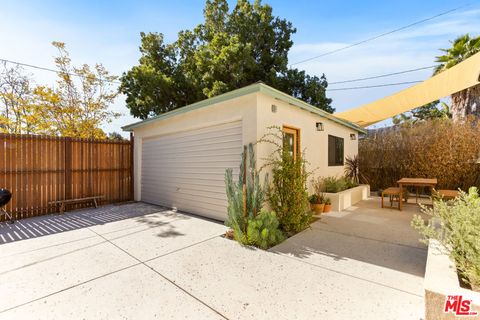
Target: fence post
point(132, 181)
point(68, 168)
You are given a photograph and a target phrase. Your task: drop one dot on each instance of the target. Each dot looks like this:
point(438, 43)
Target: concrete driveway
point(139, 261)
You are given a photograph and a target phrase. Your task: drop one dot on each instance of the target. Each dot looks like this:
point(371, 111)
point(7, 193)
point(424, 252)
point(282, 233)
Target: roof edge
point(256, 87)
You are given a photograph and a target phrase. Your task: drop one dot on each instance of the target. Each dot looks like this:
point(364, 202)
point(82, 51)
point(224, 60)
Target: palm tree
point(467, 101)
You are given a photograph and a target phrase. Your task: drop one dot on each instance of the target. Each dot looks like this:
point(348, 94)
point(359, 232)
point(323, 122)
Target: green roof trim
point(253, 88)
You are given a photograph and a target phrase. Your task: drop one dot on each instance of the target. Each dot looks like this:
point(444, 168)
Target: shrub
point(332, 184)
point(438, 149)
point(237, 215)
point(263, 231)
point(459, 232)
point(287, 194)
point(316, 199)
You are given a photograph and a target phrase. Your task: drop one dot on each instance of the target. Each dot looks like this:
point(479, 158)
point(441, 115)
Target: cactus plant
point(245, 196)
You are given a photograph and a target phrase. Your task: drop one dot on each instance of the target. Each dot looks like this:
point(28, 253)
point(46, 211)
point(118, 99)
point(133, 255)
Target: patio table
point(416, 182)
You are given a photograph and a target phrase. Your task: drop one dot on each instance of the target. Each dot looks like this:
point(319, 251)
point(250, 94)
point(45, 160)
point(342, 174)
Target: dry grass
point(434, 149)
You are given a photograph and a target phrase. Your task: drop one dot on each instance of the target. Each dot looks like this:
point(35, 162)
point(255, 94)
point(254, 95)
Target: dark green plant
point(432, 110)
point(332, 184)
point(328, 201)
point(316, 199)
point(458, 232)
point(230, 49)
point(254, 193)
point(263, 231)
point(287, 193)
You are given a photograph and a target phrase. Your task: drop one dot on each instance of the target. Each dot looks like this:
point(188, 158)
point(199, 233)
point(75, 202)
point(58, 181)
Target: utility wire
point(53, 70)
point(375, 86)
point(382, 75)
point(334, 89)
point(380, 35)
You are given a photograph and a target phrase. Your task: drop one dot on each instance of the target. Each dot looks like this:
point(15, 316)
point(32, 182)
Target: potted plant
point(316, 203)
point(328, 205)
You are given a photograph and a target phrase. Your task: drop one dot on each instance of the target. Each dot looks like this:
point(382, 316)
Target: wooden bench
point(447, 194)
point(392, 192)
point(63, 203)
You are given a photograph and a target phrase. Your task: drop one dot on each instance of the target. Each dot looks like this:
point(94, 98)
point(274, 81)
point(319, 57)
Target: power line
point(375, 86)
point(380, 35)
point(53, 70)
point(382, 75)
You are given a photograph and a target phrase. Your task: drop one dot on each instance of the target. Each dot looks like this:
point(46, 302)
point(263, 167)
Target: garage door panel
point(216, 146)
point(198, 184)
point(191, 198)
point(187, 170)
point(208, 193)
point(220, 147)
point(191, 177)
point(195, 158)
point(204, 132)
point(197, 138)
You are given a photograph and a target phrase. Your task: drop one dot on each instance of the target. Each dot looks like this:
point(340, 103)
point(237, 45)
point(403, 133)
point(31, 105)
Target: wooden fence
point(39, 169)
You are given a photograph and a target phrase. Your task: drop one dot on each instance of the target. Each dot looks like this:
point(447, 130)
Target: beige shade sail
point(462, 76)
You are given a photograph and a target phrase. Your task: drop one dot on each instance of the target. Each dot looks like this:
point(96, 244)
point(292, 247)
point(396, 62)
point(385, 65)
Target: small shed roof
point(256, 87)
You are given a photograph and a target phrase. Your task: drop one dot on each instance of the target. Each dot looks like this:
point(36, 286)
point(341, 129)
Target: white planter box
point(347, 198)
point(441, 280)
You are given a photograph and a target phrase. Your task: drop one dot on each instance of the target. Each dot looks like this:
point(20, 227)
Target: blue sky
point(108, 32)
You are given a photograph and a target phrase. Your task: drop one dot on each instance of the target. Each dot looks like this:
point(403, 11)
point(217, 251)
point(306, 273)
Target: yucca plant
point(352, 169)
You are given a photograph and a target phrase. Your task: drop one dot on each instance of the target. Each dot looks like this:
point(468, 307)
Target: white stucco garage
point(180, 157)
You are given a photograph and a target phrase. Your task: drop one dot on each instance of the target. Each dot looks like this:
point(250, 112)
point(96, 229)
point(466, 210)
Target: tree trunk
point(466, 103)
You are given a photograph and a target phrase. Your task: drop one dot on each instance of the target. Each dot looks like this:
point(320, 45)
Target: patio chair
point(394, 195)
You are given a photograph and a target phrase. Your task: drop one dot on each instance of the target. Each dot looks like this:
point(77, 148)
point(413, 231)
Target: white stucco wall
point(313, 142)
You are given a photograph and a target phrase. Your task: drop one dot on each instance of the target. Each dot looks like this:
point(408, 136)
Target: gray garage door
point(186, 170)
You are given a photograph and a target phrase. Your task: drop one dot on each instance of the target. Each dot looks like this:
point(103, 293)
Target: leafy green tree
point(430, 111)
point(227, 51)
point(76, 107)
point(467, 101)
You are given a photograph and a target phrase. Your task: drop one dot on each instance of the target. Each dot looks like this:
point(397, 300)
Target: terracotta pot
point(317, 207)
point(327, 208)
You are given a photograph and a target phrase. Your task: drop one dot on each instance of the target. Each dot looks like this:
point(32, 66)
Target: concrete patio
point(138, 261)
